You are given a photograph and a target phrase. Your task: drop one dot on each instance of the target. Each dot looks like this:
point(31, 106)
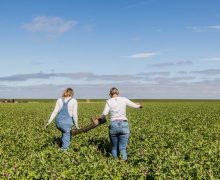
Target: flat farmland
point(169, 140)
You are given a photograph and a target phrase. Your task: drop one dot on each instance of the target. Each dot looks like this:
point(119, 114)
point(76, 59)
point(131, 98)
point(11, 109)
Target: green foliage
point(169, 140)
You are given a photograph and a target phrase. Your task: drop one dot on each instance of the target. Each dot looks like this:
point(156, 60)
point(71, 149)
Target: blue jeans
point(65, 128)
point(119, 134)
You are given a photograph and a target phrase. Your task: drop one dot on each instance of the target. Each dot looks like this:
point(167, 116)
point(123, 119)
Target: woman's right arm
point(75, 114)
point(54, 113)
point(105, 112)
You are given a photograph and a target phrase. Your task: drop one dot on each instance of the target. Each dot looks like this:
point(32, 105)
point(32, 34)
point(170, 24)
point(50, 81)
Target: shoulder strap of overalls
point(63, 101)
point(69, 100)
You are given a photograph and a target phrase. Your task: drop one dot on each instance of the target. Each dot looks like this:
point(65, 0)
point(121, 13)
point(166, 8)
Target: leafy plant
point(169, 140)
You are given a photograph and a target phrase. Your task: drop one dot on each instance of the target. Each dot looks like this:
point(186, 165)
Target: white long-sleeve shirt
point(117, 108)
point(72, 109)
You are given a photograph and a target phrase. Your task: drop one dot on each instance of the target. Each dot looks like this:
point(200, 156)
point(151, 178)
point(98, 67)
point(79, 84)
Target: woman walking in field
point(66, 108)
point(118, 129)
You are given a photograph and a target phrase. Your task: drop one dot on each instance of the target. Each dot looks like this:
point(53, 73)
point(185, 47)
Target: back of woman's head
point(68, 92)
point(113, 91)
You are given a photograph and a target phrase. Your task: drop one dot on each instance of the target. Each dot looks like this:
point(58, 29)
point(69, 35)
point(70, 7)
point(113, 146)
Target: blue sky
point(147, 48)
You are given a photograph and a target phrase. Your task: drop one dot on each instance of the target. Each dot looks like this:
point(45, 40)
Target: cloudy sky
point(146, 48)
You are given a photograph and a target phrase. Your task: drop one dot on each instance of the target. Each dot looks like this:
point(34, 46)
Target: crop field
point(169, 140)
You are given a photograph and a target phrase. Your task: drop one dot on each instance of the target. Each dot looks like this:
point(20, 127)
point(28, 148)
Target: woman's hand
point(98, 118)
point(141, 106)
point(45, 127)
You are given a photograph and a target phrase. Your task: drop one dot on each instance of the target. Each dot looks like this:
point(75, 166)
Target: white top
point(117, 108)
point(72, 109)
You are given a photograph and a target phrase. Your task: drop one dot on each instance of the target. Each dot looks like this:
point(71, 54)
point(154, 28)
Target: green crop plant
point(169, 140)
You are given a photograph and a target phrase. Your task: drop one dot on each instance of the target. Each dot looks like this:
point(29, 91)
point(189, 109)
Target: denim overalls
point(64, 123)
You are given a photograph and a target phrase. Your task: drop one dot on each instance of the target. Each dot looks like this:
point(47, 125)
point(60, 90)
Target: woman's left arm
point(132, 104)
point(54, 113)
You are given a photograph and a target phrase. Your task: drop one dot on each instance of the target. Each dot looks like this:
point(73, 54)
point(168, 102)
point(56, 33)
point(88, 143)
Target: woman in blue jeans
point(66, 108)
point(118, 129)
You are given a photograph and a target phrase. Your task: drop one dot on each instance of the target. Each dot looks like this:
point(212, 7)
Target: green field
point(169, 140)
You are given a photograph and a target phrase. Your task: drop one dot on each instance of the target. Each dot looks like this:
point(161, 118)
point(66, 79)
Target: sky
point(151, 49)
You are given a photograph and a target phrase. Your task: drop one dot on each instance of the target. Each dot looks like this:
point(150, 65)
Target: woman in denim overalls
point(118, 129)
point(66, 108)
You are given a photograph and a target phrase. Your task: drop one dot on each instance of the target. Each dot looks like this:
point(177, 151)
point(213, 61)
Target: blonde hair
point(113, 91)
point(68, 92)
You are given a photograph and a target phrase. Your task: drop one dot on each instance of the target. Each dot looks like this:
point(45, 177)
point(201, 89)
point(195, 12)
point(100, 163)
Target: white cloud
point(217, 27)
point(213, 59)
point(141, 55)
point(49, 24)
point(138, 4)
point(205, 28)
point(199, 90)
point(207, 72)
point(160, 84)
point(169, 64)
point(198, 29)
